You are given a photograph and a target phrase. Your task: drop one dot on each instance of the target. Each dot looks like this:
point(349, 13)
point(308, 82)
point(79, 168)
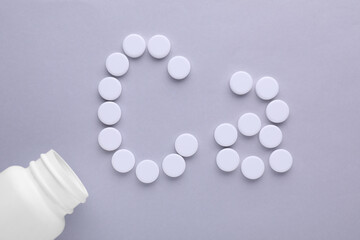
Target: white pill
point(134, 45)
point(109, 139)
point(109, 113)
point(227, 159)
point(109, 88)
point(249, 124)
point(277, 111)
point(280, 160)
point(173, 165)
point(159, 46)
point(147, 171)
point(270, 136)
point(241, 83)
point(123, 161)
point(225, 134)
point(252, 167)
point(179, 67)
point(267, 88)
point(186, 145)
point(117, 64)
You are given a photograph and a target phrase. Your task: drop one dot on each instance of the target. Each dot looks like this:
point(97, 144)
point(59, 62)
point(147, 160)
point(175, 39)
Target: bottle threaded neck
point(58, 181)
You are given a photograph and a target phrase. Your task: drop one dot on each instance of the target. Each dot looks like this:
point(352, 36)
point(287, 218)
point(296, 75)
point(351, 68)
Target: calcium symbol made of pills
point(186, 145)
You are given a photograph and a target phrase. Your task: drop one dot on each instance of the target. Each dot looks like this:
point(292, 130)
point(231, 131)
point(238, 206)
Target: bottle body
point(35, 200)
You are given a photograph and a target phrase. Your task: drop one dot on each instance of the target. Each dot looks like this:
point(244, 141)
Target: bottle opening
point(68, 177)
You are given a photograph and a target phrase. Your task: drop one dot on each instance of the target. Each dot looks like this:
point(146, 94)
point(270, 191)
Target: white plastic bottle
point(34, 200)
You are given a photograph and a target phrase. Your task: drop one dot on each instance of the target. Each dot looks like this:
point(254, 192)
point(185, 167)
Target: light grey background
point(52, 57)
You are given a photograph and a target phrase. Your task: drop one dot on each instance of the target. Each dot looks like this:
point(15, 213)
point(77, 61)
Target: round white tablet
point(277, 111)
point(249, 124)
point(173, 165)
point(186, 145)
point(280, 160)
point(117, 64)
point(109, 113)
point(147, 171)
point(225, 134)
point(109, 88)
point(179, 67)
point(159, 46)
point(134, 45)
point(252, 167)
point(267, 88)
point(227, 159)
point(123, 161)
point(109, 139)
point(270, 136)
point(241, 83)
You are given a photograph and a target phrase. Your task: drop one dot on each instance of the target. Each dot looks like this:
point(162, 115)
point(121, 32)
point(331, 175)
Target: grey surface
point(52, 56)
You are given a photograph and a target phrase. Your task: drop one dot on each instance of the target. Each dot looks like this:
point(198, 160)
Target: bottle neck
point(58, 181)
